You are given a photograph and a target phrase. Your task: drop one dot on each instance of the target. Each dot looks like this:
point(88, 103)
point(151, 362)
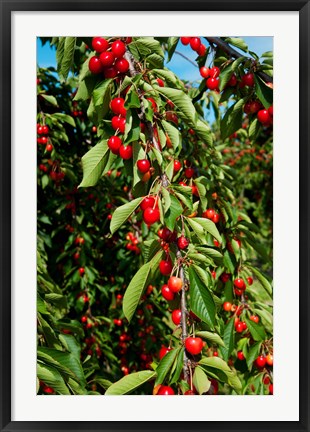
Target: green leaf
point(65, 118)
point(225, 76)
point(216, 364)
point(237, 42)
point(169, 170)
point(50, 99)
point(201, 300)
point(129, 383)
point(167, 199)
point(232, 120)
point(254, 129)
point(178, 367)
point(183, 103)
point(94, 162)
point(237, 62)
point(135, 289)
point(209, 227)
point(66, 62)
point(147, 46)
point(213, 337)
point(256, 330)
point(165, 365)
point(100, 92)
point(261, 278)
point(263, 92)
point(253, 354)
point(228, 262)
point(201, 381)
point(122, 213)
point(174, 211)
point(172, 44)
point(228, 340)
point(52, 378)
point(198, 230)
point(64, 362)
point(173, 133)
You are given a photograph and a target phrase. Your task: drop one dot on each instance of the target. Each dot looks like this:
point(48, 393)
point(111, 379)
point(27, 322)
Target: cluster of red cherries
point(133, 241)
point(195, 44)
point(109, 59)
point(118, 123)
point(43, 131)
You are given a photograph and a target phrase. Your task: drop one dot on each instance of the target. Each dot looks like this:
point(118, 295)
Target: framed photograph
point(154, 215)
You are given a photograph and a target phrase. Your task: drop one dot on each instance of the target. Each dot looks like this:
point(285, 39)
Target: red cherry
point(209, 213)
point(189, 393)
point(40, 129)
point(212, 83)
point(269, 359)
point(239, 327)
point(122, 125)
point(176, 166)
point(244, 326)
point(183, 242)
point(143, 165)
point(201, 50)
point(271, 389)
point(49, 147)
point(263, 116)
point(165, 234)
point(170, 116)
point(204, 72)
point(115, 122)
point(254, 318)
point(195, 43)
point(216, 218)
point(215, 354)
point(225, 277)
point(151, 215)
point(45, 129)
point(238, 292)
point(266, 380)
point(160, 82)
point(43, 140)
point(175, 284)
point(114, 143)
point(189, 172)
point(100, 44)
point(260, 361)
point(125, 152)
point(248, 79)
point(84, 319)
point(122, 65)
point(176, 316)
point(95, 65)
point(227, 306)
point(81, 271)
point(165, 267)
point(215, 72)
point(233, 81)
point(250, 280)
point(240, 355)
point(167, 293)
point(163, 351)
point(107, 58)
point(185, 40)
point(148, 201)
point(110, 72)
point(247, 107)
point(213, 273)
point(239, 283)
point(118, 48)
point(255, 106)
point(194, 345)
point(94, 129)
point(216, 243)
point(270, 110)
point(117, 105)
point(165, 391)
point(153, 103)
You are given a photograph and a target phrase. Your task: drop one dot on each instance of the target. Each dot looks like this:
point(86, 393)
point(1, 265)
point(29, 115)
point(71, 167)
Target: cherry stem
point(183, 314)
point(149, 127)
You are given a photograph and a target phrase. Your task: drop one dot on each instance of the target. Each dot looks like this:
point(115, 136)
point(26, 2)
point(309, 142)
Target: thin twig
point(186, 58)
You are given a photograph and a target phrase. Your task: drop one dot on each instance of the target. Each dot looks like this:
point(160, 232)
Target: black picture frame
point(7, 7)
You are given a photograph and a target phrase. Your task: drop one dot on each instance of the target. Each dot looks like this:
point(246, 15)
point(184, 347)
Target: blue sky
point(46, 56)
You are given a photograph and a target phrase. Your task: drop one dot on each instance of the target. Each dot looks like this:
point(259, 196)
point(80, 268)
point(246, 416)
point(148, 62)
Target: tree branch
point(149, 127)
point(235, 54)
point(232, 53)
point(186, 58)
point(183, 316)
